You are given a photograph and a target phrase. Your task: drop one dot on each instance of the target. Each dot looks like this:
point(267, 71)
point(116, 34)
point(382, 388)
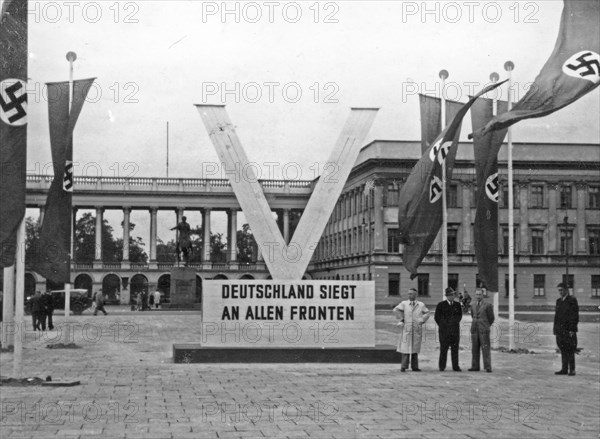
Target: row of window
point(537, 198)
point(539, 284)
point(536, 247)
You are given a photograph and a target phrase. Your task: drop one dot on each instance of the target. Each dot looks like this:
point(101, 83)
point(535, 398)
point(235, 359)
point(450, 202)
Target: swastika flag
point(420, 214)
point(485, 230)
point(572, 70)
point(53, 256)
point(13, 124)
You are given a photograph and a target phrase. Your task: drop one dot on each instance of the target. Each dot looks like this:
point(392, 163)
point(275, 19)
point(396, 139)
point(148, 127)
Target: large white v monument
point(286, 318)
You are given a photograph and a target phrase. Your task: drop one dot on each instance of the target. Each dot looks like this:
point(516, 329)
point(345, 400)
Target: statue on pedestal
point(184, 243)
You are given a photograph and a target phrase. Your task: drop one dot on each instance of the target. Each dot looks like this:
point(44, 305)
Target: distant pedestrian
point(412, 314)
point(566, 320)
point(48, 308)
point(138, 301)
point(144, 300)
point(483, 318)
point(100, 303)
point(448, 314)
point(156, 299)
point(37, 312)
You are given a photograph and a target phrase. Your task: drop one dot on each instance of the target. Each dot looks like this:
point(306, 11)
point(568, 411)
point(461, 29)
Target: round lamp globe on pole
point(509, 66)
point(444, 74)
point(494, 77)
point(71, 56)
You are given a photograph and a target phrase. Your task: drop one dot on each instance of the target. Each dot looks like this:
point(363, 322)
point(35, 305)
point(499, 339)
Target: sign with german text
point(288, 314)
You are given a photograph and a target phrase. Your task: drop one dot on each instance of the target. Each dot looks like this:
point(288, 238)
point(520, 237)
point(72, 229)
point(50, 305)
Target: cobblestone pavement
point(131, 389)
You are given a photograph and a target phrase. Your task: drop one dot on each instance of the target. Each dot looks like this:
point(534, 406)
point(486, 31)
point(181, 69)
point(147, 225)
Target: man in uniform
point(566, 320)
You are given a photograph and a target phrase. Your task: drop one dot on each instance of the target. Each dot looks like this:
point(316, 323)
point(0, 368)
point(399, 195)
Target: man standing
point(412, 314)
point(448, 315)
point(100, 303)
point(565, 329)
point(157, 299)
point(37, 312)
point(483, 318)
point(48, 308)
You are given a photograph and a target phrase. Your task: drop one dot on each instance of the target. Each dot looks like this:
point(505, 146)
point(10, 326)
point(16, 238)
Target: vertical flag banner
point(13, 124)
point(53, 255)
point(572, 70)
point(420, 207)
point(485, 229)
point(431, 118)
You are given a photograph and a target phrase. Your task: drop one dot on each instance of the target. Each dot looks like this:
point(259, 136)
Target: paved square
point(131, 389)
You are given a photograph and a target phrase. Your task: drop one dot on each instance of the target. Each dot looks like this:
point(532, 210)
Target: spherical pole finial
point(494, 77)
point(444, 74)
point(71, 56)
point(509, 66)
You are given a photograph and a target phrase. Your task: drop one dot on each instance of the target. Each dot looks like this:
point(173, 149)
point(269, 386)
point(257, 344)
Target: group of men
point(42, 309)
point(413, 314)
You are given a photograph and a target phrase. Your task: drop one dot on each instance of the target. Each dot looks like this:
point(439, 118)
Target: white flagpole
point(494, 77)
point(71, 57)
point(443, 76)
point(8, 310)
point(19, 299)
point(509, 66)
point(167, 149)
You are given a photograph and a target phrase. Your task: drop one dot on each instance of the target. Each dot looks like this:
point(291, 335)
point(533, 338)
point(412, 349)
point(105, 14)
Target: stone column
point(73, 227)
point(286, 225)
point(153, 215)
point(98, 234)
point(378, 216)
point(42, 213)
point(552, 219)
point(126, 221)
point(232, 220)
point(179, 211)
point(579, 234)
point(206, 240)
point(524, 218)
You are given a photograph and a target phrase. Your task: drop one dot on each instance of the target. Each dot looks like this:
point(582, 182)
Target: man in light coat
point(412, 315)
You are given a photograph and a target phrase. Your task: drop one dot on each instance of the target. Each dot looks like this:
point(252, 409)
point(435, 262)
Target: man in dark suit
point(566, 319)
point(483, 318)
point(448, 315)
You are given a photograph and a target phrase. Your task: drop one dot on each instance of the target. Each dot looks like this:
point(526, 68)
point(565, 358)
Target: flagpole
point(509, 66)
point(19, 299)
point(8, 310)
point(71, 57)
point(167, 149)
point(443, 76)
point(494, 77)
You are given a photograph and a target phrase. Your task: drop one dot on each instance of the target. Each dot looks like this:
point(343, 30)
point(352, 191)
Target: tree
point(247, 248)
point(217, 248)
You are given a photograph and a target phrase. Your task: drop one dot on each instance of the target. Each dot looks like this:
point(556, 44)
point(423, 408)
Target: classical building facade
point(556, 219)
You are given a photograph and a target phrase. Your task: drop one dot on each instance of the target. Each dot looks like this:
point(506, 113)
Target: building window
point(423, 284)
point(594, 197)
point(539, 284)
point(506, 287)
point(537, 242)
point(504, 197)
point(537, 196)
point(394, 284)
point(393, 240)
point(566, 242)
point(566, 197)
point(570, 282)
point(453, 281)
point(452, 196)
point(391, 198)
point(595, 285)
point(452, 240)
point(594, 241)
point(505, 241)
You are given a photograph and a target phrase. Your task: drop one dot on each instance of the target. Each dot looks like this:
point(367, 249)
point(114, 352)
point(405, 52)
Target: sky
point(288, 73)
